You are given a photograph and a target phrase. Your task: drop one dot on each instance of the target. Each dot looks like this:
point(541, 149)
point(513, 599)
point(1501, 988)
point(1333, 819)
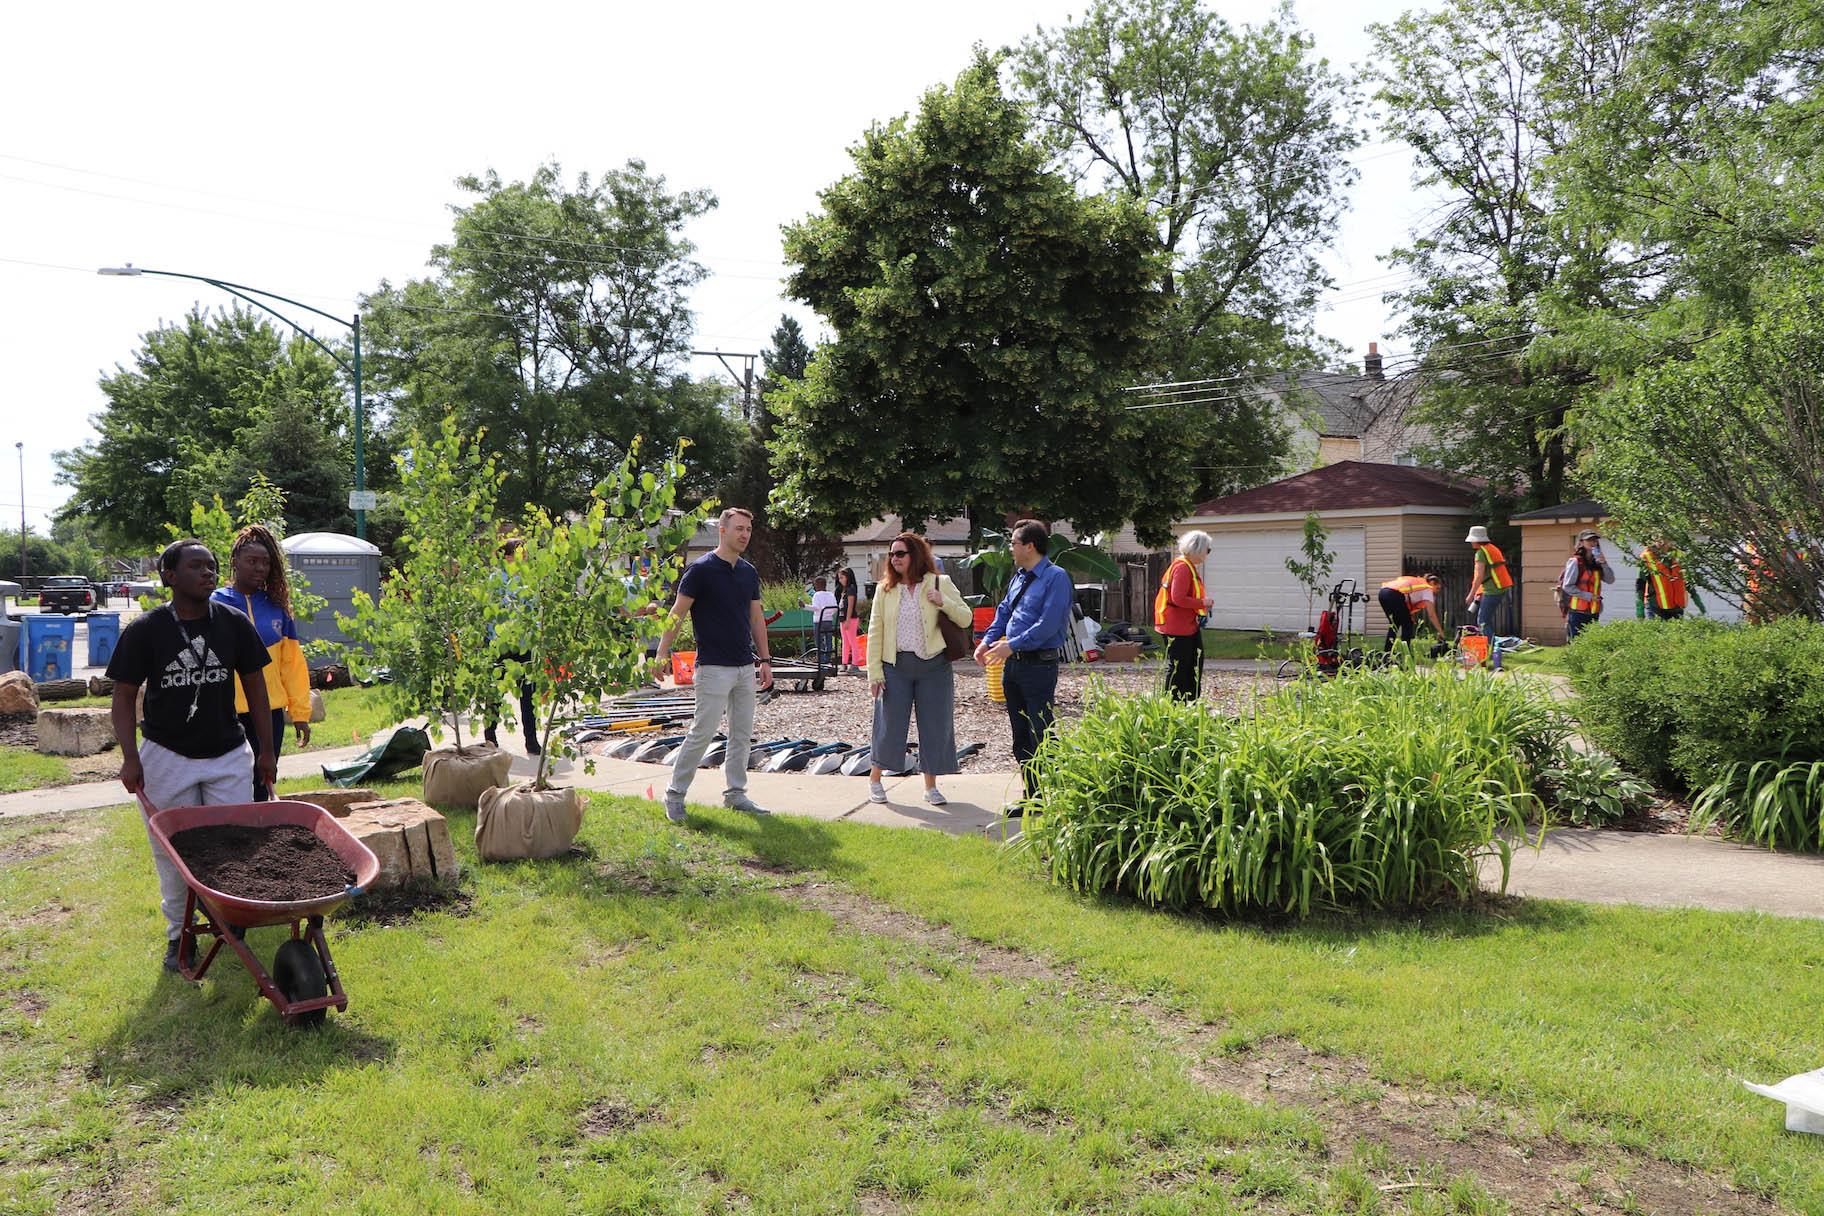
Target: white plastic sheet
point(1803, 1095)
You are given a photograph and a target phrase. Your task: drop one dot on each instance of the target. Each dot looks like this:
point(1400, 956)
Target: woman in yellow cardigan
point(907, 670)
point(261, 591)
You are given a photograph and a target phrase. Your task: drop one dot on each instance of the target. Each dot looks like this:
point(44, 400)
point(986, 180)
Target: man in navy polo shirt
point(721, 592)
point(1029, 632)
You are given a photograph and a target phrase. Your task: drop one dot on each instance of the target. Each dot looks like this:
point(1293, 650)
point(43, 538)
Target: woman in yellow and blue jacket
point(260, 591)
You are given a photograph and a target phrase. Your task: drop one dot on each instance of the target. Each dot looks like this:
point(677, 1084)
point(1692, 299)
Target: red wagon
point(303, 983)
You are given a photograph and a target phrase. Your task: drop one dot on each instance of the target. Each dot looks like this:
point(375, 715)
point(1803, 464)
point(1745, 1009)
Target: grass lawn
point(21, 768)
point(351, 715)
point(792, 1016)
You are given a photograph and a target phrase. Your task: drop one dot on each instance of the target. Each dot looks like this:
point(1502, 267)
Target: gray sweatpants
point(929, 687)
point(174, 780)
point(719, 691)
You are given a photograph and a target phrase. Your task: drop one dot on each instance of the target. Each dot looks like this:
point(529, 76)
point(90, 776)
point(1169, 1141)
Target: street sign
point(363, 500)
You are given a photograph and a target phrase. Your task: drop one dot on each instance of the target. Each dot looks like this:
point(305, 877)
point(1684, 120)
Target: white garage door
point(1247, 574)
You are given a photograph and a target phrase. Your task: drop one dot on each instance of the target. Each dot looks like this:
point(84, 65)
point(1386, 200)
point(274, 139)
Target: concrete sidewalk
point(974, 806)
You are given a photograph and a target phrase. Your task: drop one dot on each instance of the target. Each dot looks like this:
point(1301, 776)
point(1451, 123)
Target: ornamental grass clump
point(1374, 789)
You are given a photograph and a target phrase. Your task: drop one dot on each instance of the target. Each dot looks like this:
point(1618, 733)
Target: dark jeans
point(826, 643)
point(1184, 666)
point(1665, 614)
point(1399, 616)
point(262, 793)
point(1031, 689)
point(528, 721)
point(1574, 622)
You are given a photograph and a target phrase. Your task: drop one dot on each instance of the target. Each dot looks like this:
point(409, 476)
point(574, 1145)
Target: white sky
point(311, 153)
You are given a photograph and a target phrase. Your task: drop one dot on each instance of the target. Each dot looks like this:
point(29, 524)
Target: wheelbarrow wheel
point(298, 973)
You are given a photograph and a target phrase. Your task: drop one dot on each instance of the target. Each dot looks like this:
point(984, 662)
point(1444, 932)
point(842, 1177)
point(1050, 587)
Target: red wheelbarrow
point(303, 983)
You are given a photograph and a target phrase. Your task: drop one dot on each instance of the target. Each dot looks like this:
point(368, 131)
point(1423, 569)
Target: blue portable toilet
point(104, 632)
point(47, 646)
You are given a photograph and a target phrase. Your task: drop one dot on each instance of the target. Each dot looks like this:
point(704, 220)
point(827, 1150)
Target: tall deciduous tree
point(208, 403)
point(984, 316)
point(1486, 92)
point(1235, 143)
point(557, 322)
point(782, 549)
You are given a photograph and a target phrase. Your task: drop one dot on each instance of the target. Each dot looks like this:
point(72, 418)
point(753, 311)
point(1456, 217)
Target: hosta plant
point(1591, 790)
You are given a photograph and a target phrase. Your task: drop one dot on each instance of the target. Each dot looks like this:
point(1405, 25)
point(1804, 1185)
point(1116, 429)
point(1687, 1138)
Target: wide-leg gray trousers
point(924, 686)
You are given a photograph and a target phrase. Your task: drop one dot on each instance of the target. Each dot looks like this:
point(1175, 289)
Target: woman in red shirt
point(1178, 613)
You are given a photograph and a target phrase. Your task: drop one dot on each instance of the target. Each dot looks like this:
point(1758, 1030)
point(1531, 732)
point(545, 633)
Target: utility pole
point(744, 379)
point(24, 565)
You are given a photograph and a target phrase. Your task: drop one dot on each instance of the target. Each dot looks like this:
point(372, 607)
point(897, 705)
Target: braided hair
point(278, 588)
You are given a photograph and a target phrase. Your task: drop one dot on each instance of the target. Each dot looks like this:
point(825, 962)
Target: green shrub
point(1376, 789)
point(1591, 790)
point(1628, 697)
point(1680, 701)
point(1770, 802)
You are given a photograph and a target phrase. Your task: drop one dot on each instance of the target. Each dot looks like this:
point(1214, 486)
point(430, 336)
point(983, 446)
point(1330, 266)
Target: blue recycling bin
point(47, 646)
point(104, 631)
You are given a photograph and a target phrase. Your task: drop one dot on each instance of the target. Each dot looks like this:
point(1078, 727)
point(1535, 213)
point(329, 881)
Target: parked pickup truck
point(68, 593)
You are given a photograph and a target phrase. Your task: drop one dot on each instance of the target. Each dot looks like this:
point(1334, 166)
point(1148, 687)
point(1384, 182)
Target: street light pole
point(24, 566)
point(243, 292)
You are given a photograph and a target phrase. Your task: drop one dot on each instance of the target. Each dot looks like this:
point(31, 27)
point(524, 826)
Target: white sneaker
point(741, 802)
point(876, 792)
point(674, 807)
point(935, 796)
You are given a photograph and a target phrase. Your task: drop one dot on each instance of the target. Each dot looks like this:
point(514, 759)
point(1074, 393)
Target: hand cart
point(303, 984)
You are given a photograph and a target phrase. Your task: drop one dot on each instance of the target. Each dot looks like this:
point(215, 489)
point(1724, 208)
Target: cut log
point(62, 690)
point(101, 686)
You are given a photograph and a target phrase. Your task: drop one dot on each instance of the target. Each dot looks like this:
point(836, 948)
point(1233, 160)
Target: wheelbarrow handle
point(145, 803)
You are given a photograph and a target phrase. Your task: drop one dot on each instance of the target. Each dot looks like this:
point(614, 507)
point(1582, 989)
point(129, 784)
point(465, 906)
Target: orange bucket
point(1475, 650)
point(683, 667)
point(861, 640)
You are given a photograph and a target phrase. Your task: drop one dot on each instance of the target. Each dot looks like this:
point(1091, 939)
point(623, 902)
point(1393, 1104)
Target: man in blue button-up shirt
point(1029, 632)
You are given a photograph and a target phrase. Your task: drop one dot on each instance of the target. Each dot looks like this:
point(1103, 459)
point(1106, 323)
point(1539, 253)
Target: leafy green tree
point(1235, 142)
point(1724, 449)
point(433, 627)
point(46, 555)
point(1486, 93)
point(208, 402)
point(984, 318)
point(1314, 564)
point(557, 320)
point(781, 549)
point(216, 526)
point(585, 603)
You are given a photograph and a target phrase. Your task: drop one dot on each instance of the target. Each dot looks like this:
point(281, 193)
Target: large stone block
point(411, 840)
point(335, 801)
point(17, 696)
point(75, 732)
point(318, 710)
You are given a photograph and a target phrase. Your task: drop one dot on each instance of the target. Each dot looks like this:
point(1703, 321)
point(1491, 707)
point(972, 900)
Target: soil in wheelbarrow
point(281, 864)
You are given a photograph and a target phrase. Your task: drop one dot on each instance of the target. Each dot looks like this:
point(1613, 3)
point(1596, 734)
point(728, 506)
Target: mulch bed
point(844, 711)
point(281, 864)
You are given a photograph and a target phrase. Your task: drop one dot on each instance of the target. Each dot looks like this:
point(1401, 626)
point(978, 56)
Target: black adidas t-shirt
point(187, 668)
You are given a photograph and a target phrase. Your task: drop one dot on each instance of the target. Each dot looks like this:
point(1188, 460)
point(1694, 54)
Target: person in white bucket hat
point(1489, 586)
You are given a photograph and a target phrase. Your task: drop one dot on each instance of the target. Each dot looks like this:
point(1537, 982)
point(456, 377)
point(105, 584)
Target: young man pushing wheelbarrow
point(194, 753)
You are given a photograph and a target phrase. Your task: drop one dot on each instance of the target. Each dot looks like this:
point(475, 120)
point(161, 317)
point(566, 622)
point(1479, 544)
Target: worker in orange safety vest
point(1178, 614)
point(1660, 590)
point(1490, 585)
point(1579, 590)
point(1401, 596)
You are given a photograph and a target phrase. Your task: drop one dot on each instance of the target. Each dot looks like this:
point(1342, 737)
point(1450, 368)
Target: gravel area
point(843, 711)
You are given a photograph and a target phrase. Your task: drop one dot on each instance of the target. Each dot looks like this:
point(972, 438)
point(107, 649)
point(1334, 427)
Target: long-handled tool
point(672, 755)
point(652, 749)
point(793, 762)
point(759, 756)
point(856, 762)
point(831, 761)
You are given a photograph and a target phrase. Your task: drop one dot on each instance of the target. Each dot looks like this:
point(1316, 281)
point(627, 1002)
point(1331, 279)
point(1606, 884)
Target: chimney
point(1371, 362)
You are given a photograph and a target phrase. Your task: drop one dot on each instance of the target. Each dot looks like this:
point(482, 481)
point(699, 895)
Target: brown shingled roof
point(1347, 485)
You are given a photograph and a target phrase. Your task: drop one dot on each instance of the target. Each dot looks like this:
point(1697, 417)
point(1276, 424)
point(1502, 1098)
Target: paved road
point(127, 608)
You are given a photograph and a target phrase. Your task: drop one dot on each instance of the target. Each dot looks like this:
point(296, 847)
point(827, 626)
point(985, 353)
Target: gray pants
point(174, 780)
point(929, 687)
point(719, 690)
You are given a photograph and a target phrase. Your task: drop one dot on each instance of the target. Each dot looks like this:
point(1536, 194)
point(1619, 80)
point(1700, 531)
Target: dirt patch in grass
point(42, 835)
point(1426, 1134)
point(398, 905)
point(613, 1117)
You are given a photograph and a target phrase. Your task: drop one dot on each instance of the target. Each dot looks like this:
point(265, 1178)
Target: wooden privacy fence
point(1456, 571)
